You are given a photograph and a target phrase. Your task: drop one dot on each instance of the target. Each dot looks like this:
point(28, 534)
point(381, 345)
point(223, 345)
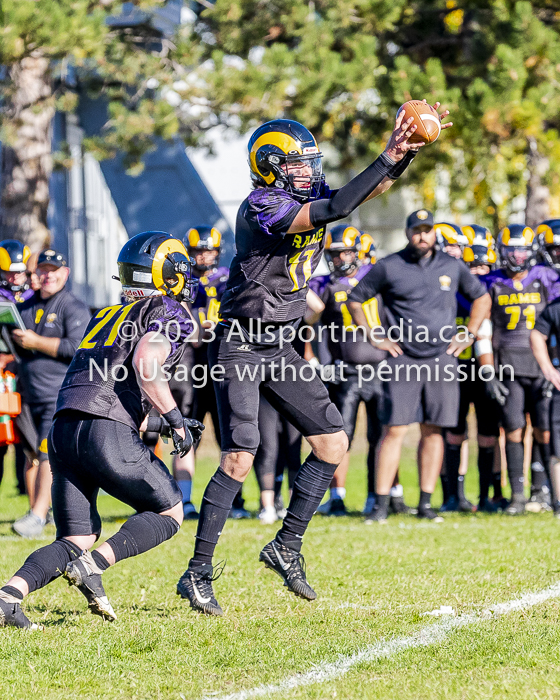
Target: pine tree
point(53, 50)
point(344, 66)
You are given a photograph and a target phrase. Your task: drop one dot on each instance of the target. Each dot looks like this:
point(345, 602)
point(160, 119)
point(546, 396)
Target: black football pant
point(279, 449)
point(347, 396)
point(88, 453)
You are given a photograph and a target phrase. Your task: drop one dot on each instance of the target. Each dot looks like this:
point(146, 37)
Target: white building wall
point(96, 233)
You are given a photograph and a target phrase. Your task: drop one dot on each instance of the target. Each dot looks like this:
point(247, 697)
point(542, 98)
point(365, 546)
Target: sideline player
point(55, 321)
point(451, 239)
point(547, 326)
point(520, 291)
point(15, 288)
point(94, 443)
point(418, 286)
point(486, 396)
point(279, 239)
point(349, 351)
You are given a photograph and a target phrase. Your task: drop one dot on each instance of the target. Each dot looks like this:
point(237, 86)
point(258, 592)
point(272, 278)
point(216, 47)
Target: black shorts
point(290, 385)
point(42, 416)
point(347, 396)
point(525, 396)
point(487, 410)
point(555, 423)
point(88, 453)
point(417, 393)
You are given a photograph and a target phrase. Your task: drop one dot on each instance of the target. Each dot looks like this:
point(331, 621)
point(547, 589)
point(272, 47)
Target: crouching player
point(121, 367)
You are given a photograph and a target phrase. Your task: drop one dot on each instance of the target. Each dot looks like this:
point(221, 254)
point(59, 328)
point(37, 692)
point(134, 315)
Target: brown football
point(425, 117)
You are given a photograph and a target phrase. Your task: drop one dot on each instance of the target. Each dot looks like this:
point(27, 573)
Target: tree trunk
point(26, 156)
point(537, 205)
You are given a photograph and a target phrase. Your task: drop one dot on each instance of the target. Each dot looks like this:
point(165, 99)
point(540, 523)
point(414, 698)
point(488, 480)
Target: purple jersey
point(206, 306)
point(210, 290)
point(516, 304)
point(271, 268)
point(15, 297)
point(109, 343)
point(342, 343)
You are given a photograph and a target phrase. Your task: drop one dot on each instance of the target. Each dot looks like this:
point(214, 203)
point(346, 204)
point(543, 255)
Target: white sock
point(186, 488)
point(397, 491)
point(338, 492)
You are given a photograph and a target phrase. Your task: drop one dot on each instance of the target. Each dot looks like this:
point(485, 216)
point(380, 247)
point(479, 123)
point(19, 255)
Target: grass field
point(374, 584)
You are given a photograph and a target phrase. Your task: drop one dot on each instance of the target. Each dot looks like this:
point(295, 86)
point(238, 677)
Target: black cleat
point(465, 506)
point(338, 507)
point(487, 506)
point(289, 565)
point(11, 614)
point(428, 513)
point(556, 509)
point(195, 585)
point(379, 515)
point(516, 506)
point(86, 576)
point(450, 506)
point(399, 507)
point(501, 502)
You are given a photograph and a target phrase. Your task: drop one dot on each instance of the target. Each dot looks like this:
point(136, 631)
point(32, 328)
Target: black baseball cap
point(51, 257)
point(422, 217)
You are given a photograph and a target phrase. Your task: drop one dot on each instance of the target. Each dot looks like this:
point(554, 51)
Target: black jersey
point(419, 295)
point(101, 379)
point(515, 307)
point(271, 268)
point(344, 341)
point(62, 316)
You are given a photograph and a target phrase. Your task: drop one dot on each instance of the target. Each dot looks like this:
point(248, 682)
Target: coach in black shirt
point(418, 286)
point(55, 322)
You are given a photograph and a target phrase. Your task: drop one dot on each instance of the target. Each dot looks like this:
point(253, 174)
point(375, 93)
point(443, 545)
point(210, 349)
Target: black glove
point(547, 389)
point(195, 428)
point(193, 433)
point(494, 388)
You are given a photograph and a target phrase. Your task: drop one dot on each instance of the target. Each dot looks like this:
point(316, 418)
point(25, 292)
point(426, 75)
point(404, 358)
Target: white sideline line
point(426, 636)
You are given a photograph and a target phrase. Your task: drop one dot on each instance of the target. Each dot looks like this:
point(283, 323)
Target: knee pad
point(246, 437)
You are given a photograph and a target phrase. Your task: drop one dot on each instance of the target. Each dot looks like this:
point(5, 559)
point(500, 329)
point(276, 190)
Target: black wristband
point(174, 418)
point(155, 424)
point(398, 169)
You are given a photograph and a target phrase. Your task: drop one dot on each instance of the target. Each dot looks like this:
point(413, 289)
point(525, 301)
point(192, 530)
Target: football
point(425, 117)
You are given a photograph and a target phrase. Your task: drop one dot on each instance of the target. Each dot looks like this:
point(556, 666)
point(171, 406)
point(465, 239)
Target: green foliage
point(344, 66)
point(132, 68)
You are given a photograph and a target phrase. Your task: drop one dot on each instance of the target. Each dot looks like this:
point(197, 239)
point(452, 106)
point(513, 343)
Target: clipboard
point(10, 319)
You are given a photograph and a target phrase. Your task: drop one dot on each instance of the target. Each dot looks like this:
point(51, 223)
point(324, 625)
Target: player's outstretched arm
point(373, 181)
point(540, 351)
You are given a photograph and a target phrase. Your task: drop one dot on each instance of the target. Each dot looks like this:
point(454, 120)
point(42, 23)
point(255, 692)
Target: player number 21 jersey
point(101, 379)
